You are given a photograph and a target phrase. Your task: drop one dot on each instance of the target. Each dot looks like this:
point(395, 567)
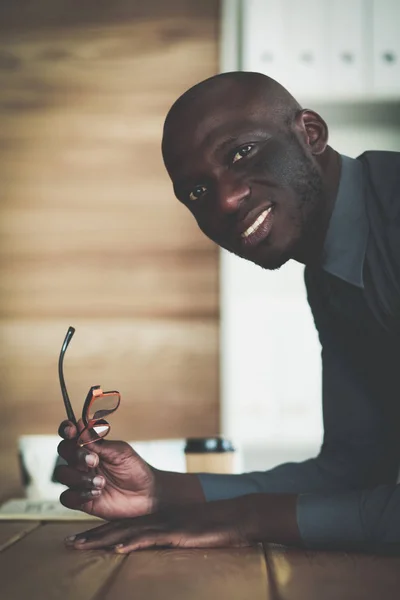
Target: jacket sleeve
point(348, 491)
point(359, 519)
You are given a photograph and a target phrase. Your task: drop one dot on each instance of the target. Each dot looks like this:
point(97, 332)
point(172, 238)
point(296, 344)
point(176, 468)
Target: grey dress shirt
point(332, 508)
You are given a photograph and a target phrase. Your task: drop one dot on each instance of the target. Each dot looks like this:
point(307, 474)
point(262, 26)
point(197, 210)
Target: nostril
point(233, 195)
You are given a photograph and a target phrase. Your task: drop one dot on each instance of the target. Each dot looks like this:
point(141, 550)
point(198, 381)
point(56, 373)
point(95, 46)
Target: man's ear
point(313, 130)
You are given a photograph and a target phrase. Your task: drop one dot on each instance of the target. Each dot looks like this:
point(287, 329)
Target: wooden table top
point(35, 563)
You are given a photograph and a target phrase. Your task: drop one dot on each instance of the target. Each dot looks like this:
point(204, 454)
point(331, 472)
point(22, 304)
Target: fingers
point(84, 487)
point(152, 540)
point(105, 536)
point(78, 500)
point(93, 535)
point(79, 480)
point(128, 534)
point(67, 430)
point(171, 528)
point(76, 456)
point(123, 538)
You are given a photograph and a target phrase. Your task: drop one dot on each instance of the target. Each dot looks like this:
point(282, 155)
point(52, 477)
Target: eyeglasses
point(98, 404)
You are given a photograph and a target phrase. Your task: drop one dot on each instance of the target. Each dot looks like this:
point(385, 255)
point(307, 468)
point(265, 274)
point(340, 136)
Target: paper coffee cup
point(209, 455)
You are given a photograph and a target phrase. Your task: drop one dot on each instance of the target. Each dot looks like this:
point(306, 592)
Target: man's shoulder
point(381, 162)
point(382, 175)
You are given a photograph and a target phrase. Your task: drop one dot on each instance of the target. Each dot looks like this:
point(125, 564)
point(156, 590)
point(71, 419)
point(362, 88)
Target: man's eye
point(197, 192)
point(241, 153)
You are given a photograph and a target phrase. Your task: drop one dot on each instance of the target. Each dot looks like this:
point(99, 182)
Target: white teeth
point(260, 219)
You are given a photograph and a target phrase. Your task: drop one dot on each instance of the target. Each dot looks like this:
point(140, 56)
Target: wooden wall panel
point(90, 232)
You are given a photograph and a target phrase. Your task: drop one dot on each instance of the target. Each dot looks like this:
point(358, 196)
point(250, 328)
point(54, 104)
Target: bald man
point(256, 171)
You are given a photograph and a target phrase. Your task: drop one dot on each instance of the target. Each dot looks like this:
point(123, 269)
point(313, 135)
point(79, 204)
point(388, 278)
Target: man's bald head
point(238, 90)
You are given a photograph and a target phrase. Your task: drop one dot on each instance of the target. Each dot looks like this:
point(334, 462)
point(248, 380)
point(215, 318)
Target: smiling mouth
point(258, 230)
point(257, 223)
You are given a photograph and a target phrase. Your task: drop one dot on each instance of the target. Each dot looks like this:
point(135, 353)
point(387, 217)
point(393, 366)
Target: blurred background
point(198, 343)
point(91, 234)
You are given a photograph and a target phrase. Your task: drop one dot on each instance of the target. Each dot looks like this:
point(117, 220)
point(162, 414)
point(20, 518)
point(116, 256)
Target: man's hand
point(106, 479)
point(111, 481)
point(238, 522)
point(216, 524)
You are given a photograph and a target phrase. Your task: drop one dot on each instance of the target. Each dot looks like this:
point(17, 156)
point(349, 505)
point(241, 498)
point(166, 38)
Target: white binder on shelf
point(306, 48)
point(263, 38)
point(347, 48)
point(328, 50)
point(386, 48)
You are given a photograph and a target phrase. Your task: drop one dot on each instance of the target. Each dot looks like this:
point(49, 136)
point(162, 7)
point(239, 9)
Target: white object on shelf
point(347, 48)
point(386, 47)
point(306, 47)
point(263, 39)
point(329, 50)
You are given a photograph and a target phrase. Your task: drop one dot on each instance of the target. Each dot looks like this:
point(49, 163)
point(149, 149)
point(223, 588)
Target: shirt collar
point(346, 239)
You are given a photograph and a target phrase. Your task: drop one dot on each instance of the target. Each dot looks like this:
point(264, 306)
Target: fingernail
point(98, 481)
point(68, 431)
point(118, 547)
point(88, 494)
point(69, 539)
point(91, 460)
point(80, 540)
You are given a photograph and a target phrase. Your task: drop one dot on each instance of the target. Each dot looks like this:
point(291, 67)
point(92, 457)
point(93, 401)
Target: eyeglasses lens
point(103, 405)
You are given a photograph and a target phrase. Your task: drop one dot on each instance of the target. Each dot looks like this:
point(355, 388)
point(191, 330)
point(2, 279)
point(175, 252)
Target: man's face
point(249, 182)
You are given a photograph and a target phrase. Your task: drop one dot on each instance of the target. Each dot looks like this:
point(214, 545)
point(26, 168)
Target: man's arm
point(367, 519)
point(360, 448)
point(320, 503)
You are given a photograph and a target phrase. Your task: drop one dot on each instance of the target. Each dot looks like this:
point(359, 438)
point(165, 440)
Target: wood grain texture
point(41, 565)
point(89, 224)
point(13, 531)
point(231, 574)
point(304, 575)
point(158, 366)
point(90, 232)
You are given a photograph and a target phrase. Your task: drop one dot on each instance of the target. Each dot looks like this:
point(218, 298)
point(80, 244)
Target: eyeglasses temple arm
point(67, 403)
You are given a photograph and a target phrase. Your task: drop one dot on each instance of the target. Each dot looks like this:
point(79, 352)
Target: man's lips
point(256, 227)
point(250, 219)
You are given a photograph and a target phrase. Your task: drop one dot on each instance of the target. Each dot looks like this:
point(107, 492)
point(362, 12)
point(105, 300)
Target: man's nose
point(232, 192)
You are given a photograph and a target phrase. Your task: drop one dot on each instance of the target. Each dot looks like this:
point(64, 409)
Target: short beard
point(308, 185)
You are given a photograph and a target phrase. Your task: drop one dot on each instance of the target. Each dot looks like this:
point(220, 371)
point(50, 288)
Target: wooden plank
point(56, 15)
point(304, 575)
point(180, 286)
point(165, 371)
point(198, 574)
point(13, 531)
point(41, 564)
point(85, 195)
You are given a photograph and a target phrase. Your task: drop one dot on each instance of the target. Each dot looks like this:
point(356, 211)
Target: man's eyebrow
point(227, 142)
point(182, 185)
point(242, 138)
point(184, 181)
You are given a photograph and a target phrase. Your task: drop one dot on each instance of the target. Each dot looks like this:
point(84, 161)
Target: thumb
point(110, 451)
point(117, 453)
point(114, 452)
